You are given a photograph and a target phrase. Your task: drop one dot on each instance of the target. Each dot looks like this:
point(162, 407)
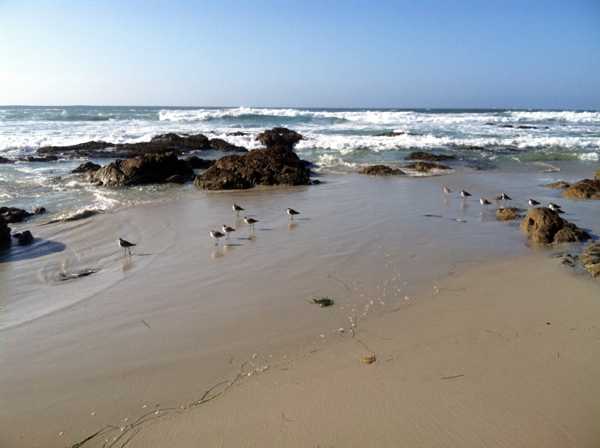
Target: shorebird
point(503, 197)
point(465, 193)
point(533, 202)
point(555, 207)
point(292, 213)
point(446, 189)
point(484, 201)
point(216, 235)
point(125, 245)
point(237, 209)
point(227, 230)
point(250, 222)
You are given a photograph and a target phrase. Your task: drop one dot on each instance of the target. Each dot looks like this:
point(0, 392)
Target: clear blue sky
point(431, 53)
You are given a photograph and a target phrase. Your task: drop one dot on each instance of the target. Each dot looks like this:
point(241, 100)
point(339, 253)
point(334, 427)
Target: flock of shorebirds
point(216, 235)
point(502, 197)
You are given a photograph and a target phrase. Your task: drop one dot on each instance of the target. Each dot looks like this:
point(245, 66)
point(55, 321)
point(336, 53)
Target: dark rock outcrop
point(141, 170)
point(77, 216)
point(237, 134)
point(426, 167)
point(590, 259)
point(4, 233)
point(508, 213)
point(39, 211)
point(5, 160)
point(429, 157)
point(544, 226)
point(24, 238)
point(558, 185)
point(381, 170)
point(13, 215)
point(87, 167)
point(584, 189)
point(279, 138)
point(47, 158)
point(277, 164)
point(163, 143)
point(597, 176)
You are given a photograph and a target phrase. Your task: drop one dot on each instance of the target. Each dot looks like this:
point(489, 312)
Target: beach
point(478, 338)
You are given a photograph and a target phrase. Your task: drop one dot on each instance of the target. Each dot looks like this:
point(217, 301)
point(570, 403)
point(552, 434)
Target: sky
point(427, 53)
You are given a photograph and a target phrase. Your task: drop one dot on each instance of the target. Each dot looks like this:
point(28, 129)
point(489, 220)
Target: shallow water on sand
point(181, 313)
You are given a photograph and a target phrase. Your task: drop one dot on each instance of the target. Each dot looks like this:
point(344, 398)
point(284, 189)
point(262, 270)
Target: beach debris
point(369, 359)
point(452, 377)
point(323, 302)
point(64, 276)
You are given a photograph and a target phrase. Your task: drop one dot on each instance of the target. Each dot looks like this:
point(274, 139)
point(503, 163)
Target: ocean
point(336, 140)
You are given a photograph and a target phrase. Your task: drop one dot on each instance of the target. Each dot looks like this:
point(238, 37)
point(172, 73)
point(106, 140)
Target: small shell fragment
point(369, 359)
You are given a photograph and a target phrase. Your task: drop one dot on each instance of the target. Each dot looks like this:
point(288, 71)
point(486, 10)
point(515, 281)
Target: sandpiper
point(555, 207)
point(216, 235)
point(503, 197)
point(227, 230)
point(465, 193)
point(125, 245)
point(533, 202)
point(291, 212)
point(484, 201)
point(446, 189)
point(250, 222)
point(237, 209)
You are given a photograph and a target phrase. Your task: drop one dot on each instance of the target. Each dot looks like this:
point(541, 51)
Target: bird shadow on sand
point(39, 248)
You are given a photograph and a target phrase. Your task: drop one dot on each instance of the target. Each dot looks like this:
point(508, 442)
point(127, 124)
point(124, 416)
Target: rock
point(584, 189)
point(323, 302)
point(426, 167)
point(141, 170)
point(279, 137)
point(177, 179)
point(430, 157)
point(5, 160)
point(381, 170)
point(4, 233)
point(559, 185)
point(221, 145)
point(237, 134)
point(508, 213)
point(597, 176)
point(48, 158)
point(315, 182)
point(83, 214)
point(39, 210)
point(163, 143)
point(368, 359)
point(24, 238)
point(13, 214)
point(590, 258)
point(542, 226)
point(277, 164)
point(87, 167)
point(390, 134)
point(197, 163)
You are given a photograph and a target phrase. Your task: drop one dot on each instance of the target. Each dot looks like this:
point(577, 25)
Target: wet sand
point(181, 315)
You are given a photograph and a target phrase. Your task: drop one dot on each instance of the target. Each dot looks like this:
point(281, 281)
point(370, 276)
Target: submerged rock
point(590, 259)
point(141, 170)
point(584, 189)
point(24, 238)
point(39, 211)
point(13, 215)
point(381, 170)
point(390, 134)
point(559, 185)
point(429, 157)
point(4, 233)
point(163, 143)
point(83, 214)
point(508, 213)
point(277, 164)
point(48, 158)
point(544, 226)
point(426, 167)
point(87, 167)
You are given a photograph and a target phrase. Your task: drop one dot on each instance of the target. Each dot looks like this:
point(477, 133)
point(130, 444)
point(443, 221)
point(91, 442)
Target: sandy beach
point(478, 339)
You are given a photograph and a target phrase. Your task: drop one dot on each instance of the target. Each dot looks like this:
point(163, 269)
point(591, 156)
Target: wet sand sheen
point(181, 315)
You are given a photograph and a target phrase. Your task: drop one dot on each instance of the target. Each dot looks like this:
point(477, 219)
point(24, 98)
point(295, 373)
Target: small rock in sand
point(369, 359)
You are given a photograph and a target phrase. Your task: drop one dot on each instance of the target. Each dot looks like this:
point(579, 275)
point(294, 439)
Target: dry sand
point(160, 327)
